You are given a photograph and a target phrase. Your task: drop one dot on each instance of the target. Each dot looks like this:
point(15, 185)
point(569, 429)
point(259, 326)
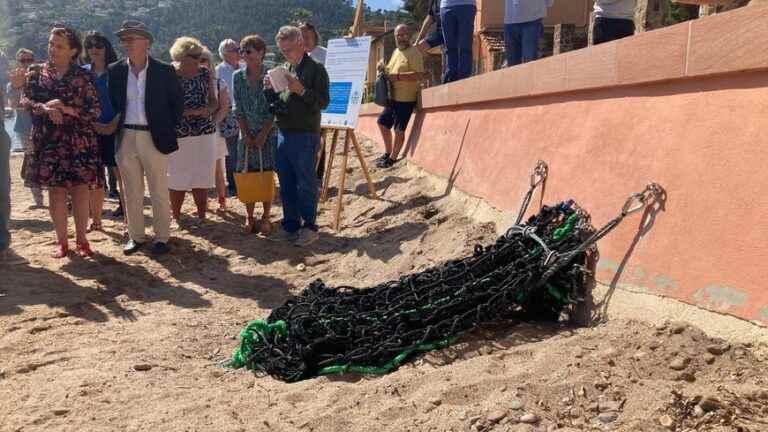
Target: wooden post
point(359, 151)
point(329, 168)
point(342, 181)
point(350, 139)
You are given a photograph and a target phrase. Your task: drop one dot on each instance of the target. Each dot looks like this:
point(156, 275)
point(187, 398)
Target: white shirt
point(616, 9)
point(318, 54)
point(135, 113)
point(226, 72)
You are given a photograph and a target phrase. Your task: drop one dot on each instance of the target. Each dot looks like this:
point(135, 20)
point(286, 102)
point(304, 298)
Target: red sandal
point(61, 251)
point(84, 250)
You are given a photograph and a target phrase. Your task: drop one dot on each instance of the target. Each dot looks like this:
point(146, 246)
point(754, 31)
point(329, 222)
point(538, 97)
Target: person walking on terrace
point(147, 95)
point(405, 70)
point(458, 20)
point(297, 109)
point(614, 19)
point(523, 27)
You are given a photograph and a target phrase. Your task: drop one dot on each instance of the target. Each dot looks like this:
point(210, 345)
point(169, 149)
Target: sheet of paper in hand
point(279, 78)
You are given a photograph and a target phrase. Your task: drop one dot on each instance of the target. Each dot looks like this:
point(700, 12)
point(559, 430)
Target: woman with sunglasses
point(64, 103)
point(192, 166)
point(255, 121)
point(99, 54)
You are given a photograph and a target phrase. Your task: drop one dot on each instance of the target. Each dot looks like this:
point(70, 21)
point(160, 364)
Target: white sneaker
point(307, 237)
point(281, 235)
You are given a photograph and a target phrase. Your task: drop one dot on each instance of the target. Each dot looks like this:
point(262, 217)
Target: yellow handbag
point(257, 186)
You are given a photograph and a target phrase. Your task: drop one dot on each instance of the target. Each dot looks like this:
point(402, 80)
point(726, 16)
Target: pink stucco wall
point(697, 124)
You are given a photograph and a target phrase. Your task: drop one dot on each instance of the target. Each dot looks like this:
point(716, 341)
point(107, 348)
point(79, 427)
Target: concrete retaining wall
point(685, 106)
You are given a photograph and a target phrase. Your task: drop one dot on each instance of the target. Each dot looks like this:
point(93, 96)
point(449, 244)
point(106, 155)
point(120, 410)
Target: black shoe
point(160, 248)
point(382, 163)
point(132, 247)
point(382, 157)
point(387, 163)
point(118, 213)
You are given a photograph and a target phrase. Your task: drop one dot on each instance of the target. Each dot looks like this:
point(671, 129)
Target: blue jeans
point(5, 189)
point(295, 163)
point(458, 30)
point(521, 41)
point(230, 163)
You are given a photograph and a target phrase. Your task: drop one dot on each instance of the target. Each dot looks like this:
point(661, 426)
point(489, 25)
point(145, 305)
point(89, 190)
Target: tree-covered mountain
point(26, 22)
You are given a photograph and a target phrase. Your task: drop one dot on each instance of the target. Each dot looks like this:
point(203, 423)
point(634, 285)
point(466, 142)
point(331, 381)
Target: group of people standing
point(183, 127)
point(453, 24)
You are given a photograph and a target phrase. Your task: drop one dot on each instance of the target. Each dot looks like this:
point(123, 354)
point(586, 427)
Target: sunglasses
point(248, 51)
point(194, 56)
point(26, 60)
point(97, 45)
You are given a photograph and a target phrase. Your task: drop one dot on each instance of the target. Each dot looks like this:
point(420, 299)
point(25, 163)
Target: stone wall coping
point(719, 44)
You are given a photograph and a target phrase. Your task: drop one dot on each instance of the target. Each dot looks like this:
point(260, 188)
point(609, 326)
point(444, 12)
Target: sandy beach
point(119, 343)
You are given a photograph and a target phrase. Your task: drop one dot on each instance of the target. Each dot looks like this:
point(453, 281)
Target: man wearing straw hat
point(148, 96)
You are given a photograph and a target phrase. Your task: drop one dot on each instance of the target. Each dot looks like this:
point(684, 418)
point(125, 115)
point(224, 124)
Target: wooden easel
point(349, 136)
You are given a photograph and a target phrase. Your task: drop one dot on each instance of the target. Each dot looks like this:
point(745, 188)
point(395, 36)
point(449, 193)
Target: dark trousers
point(112, 180)
point(609, 29)
point(295, 162)
point(458, 30)
point(230, 164)
point(521, 41)
point(321, 159)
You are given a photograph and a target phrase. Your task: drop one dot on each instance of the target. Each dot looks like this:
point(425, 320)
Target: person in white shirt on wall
point(614, 19)
point(523, 27)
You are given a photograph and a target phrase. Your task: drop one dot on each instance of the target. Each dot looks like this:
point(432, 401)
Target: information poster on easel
point(347, 64)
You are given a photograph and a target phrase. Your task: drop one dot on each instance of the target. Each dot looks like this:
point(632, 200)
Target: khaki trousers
point(136, 157)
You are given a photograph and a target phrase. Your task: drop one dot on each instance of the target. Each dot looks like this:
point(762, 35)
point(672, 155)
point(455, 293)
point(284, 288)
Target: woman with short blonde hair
point(191, 167)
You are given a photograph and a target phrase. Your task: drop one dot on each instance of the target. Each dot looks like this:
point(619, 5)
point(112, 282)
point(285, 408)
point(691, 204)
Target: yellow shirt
point(408, 60)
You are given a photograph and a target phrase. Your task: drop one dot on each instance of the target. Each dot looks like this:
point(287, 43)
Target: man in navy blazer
point(148, 96)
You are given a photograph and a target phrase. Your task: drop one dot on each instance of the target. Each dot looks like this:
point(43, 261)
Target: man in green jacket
point(298, 110)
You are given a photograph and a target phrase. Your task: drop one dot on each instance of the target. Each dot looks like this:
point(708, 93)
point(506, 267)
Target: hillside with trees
point(26, 22)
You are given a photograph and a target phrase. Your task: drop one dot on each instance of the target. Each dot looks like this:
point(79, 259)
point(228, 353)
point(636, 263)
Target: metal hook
point(637, 201)
point(539, 173)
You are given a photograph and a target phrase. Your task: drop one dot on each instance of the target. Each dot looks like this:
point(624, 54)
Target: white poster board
point(347, 64)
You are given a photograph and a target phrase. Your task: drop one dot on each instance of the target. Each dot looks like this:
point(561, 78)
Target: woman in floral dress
point(65, 158)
